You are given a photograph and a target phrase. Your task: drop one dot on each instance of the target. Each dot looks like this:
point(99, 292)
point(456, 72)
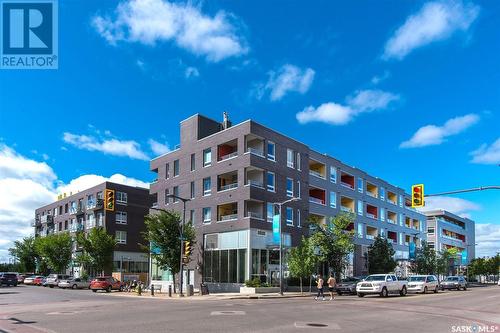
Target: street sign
point(412, 250)
point(464, 257)
point(276, 229)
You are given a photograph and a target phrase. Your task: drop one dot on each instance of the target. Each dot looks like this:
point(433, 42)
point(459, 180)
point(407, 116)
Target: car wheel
point(403, 291)
point(73, 286)
point(425, 290)
point(436, 290)
point(458, 288)
point(442, 289)
point(339, 293)
point(51, 286)
point(384, 292)
point(94, 290)
point(108, 289)
point(361, 295)
point(465, 288)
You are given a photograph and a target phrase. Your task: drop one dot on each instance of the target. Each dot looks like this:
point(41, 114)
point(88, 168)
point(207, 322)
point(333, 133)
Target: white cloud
point(456, 206)
point(288, 78)
point(487, 154)
point(434, 135)
point(487, 239)
point(152, 21)
point(379, 78)
point(435, 21)
point(109, 146)
point(191, 72)
point(337, 114)
point(27, 184)
point(158, 148)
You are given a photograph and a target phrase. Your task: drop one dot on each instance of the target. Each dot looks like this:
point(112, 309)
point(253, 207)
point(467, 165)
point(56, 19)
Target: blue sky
point(407, 91)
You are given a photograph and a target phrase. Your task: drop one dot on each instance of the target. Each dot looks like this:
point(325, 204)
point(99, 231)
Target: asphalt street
point(38, 309)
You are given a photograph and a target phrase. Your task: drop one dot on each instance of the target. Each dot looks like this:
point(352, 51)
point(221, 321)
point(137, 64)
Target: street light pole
point(279, 204)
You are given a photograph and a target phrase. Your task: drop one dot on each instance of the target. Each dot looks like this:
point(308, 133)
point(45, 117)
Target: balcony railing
point(255, 151)
point(47, 219)
point(316, 174)
point(254, 215)
point(80, 210)
point(91, 204)
point(255, 183)
point(228, 217)
point(347, 185)
point(228, 156)
point(316, 200)
point(155, 205)
point(391, 221)
point(373, 195)
point(371, 215)
point(346, 209)
point(452, 238)
point(370, 237)
point(228, 187)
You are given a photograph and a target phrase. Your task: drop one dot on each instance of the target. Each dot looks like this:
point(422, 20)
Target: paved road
point(36, 309)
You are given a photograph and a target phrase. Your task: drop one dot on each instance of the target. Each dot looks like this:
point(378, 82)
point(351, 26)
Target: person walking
point(319, 285)
point(331, 285)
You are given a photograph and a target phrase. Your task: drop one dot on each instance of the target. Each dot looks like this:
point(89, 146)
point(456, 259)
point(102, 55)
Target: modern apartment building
point(84, 210)
point(446, 230)
point(233, 175)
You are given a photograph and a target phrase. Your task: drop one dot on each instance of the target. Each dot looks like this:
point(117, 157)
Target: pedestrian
point(331, 285)
point(319, 285)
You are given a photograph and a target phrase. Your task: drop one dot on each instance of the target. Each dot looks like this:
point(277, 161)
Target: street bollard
point(139, 289)
point(170, 291)
point(152, 289)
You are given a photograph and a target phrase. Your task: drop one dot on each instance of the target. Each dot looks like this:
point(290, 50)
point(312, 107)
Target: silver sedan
point(74, 283)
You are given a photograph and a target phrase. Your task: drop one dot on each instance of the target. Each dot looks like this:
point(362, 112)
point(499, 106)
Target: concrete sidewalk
point(218, 296)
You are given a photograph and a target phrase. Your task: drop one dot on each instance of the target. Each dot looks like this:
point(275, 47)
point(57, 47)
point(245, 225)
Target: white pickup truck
point(382, 284)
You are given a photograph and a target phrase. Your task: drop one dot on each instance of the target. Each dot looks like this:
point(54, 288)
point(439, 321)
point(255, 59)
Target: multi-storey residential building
point(84, 210)
point(233, 175)
point(446, 230)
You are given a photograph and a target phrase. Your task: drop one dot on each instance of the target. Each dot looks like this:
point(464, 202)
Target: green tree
point(425, 259)
point(163, 230)
point(24, 251)
point(56, 250)
point(381, 256)
point(98, 247)
point(334, 241)
point(492, 266)
point(445, 260)
point(301, 260)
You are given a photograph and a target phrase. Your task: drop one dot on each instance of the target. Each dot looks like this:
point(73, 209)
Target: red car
point(38, 280)
point(107, 283)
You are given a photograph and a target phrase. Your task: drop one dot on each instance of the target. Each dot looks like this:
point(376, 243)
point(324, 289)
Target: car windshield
point(375, 278)
point(451, 278)
point(416, 279)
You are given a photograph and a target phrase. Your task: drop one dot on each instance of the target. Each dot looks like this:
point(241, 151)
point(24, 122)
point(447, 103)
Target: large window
point(271, 151)
point(333, 174)
point(290, 158)
point(207, 186)
point(289, 215)
point(270, 212)
point(207, 157)
point(121, 197)
point(121, 237)
point(333, 199)
point(121, 217)
point(207, 215)
point(360, 230)
point(382, 193)
point(360, 207)
point(360, 185)
point(289, 187)
point(270, 181)
point(176, 193)
point(176, 168)
point(382, 214)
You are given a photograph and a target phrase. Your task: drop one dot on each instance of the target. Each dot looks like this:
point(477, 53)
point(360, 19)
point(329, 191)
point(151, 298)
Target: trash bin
point(190, 290)
point(204, 289)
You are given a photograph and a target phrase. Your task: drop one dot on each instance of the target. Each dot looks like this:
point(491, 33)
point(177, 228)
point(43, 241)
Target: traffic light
point(109, 200)
point(187, 249)
point(417, 195)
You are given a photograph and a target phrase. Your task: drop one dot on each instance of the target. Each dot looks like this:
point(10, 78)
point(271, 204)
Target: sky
point(406, 90)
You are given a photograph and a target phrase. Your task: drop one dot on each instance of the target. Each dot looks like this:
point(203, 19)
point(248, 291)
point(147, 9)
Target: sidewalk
point(218, 296)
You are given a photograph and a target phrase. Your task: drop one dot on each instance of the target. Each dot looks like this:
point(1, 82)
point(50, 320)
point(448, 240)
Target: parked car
point(498, 282)
point(74, 283)
point(423, 283)
point(29, 280)
point(44, 281)
point(454, 282)
point(38, 280)
point(54, 279)
point(381, 284)
point(9, 279)
point(107, 283)
point(20, 278)
point(347, 286)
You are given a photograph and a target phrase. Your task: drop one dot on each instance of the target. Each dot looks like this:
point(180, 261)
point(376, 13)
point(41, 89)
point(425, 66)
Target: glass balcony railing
point(228, 217)
point(347, 185)
point(316, 174)
point(370, 237)
point(371, 215)
point(255, 151)
point(255, 183)
point(254, 215)
point(391, 221)
point(316, 200)
point(346, 209)
point(228, 156)
point(228, 187)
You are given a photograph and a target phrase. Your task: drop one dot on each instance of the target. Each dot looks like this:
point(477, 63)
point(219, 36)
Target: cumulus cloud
point(487, 239)
point(26, 184)
point(435, 21)
point(110, 146)
point(288, 78)
point(361, 101)
point(152, 21)
point(435, 135)
point(487, 154)
point(191, 72)
point(158, 148)
point(456, 206)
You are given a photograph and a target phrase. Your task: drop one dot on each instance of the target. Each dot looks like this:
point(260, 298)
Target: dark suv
point(9, 279)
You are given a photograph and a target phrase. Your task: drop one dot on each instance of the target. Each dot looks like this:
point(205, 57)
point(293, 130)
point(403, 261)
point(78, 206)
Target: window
point(298, 218)
point(193, 162)
point(430, 230)
point(270, 212)
point(360, 185)
point(271, 151)
point(360, 230)
point(382, 214)
point(176, 168)
point(207, 215)
point(360, 207)
point(121, 217)
point(270, 181)
point(298, 188)
point(298, 161)
point(176, 193)
point(289, 215)
point(207, 157)
point(333, 174)
point(207, 186)
point(167, 199)
point(66, 225)
point(167, 170)
point(66, 209)
point(289, 158)
point(400, 219)
point(289, 187)
point(191, 216)
point(333, 199)
point(400, 200)
point(401, 238)
point(192, 190)
point(121, 197)
point(382, 193)
point(121, 237)
point(90, 201)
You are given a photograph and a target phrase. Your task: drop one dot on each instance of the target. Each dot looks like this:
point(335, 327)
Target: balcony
point(457, 224)
point(227, 212)
point(254, 177)
point(317, 169)
point(392, 197)
point(254, 209)
point(47, 219)
point(392, 236)
point(36, 222)
point(392, 217)
point(80, 210)
point(254, 145)
point(320, 219)
point(371, 232)
point(99, 204)
point(371, 190)
point(346, 204)
point(407, 222)
point(227, 150)
point(347, 180)
point(227, 181)
point(317, 195)
point(371, 211)
point(416, 224)
point(453, 236)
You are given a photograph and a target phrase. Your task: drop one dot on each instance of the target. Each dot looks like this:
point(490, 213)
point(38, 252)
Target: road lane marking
point(227, 313)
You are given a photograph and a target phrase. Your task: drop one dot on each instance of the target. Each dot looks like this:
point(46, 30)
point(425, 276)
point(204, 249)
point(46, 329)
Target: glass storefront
point(158, 274)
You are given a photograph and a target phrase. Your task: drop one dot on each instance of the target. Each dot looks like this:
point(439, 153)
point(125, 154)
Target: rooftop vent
point(226, 123)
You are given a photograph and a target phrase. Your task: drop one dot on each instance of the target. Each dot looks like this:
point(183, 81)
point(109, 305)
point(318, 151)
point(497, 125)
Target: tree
point(381, 256)
point(98, 247)
point(56, 250)
point(24, 251)
point(301, 260)
point(334, 241)
point(163, 231)
point(444, 260)
point(425, 259)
